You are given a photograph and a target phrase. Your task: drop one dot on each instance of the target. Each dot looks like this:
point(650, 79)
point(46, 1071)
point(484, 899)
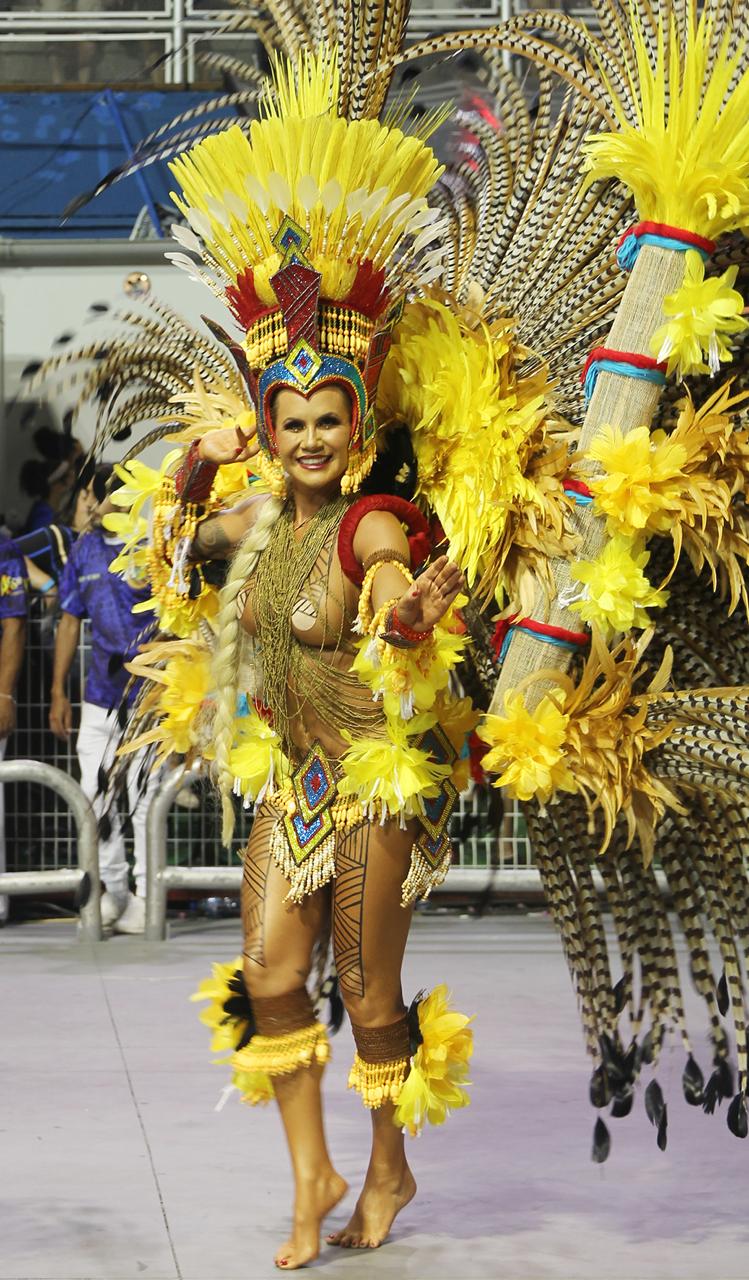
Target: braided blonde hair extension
point(228, 650)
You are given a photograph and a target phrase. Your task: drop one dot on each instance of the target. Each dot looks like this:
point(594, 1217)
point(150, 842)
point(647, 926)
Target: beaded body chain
point(288, 664)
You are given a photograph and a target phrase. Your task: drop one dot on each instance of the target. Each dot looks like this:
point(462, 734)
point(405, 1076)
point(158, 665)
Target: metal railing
point(55, 45)
point(83, 879)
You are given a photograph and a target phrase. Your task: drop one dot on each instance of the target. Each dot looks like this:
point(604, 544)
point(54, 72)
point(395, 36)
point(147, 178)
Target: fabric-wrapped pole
point(617, 400)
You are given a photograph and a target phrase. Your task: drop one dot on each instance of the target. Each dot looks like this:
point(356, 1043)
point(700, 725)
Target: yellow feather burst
point(686, 157)
point(356, 186)
point(472, 422)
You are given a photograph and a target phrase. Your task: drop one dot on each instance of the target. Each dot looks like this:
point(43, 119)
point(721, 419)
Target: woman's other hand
point(430, 596)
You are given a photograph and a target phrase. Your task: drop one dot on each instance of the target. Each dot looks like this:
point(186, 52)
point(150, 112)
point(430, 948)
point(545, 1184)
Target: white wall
point(41, 302)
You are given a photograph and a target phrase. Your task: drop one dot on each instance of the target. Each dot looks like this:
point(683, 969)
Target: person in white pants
point(88, 589)
point(98, 735)
point(13, 604)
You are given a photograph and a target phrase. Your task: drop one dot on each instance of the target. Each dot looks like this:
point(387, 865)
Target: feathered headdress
point(311, 228)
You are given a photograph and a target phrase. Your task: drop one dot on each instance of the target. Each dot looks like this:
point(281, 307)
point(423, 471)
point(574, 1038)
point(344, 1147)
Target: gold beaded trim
point(343, 332)
point(285, 1054)
point(378, 1082)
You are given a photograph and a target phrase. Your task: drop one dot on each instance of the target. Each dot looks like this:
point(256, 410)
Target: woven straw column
point(617, 401)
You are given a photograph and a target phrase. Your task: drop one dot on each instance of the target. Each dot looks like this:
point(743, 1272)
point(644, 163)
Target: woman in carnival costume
point(340, 656)
point(315, 228)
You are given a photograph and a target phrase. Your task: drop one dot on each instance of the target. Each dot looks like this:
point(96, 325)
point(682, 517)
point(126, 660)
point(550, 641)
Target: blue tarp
point(53, 146)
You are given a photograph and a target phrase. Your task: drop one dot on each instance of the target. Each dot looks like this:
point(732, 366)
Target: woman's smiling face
point(312, 435)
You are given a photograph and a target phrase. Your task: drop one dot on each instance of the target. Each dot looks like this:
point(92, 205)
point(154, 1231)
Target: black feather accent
point(736, 1118)
point(196, 583)
point(67, 421)
point(102, 780)
point(645, 1052)
point(654, 1104)
point(630, 1064)
point(721, 993)
point(122, 716)
point(414, 1028)
point(114, 665)
point(725, 1077)
point(30, 369)
point(82, 892)
point(622, 1104)
point(214, 572)
point(599, 1090)
point(601, 1142)
point(662, 1138)
point(104, 827)
point(712, 1095)
point(99, 307)
point(238, 1006)
point(63, 338)
point(619, 996)
point(330, 991)
point(124, 433)
point(693, 1083)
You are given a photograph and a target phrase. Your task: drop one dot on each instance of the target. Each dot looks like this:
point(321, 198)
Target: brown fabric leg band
point(381, 1062)
point(383, 1044)
point(279, 1015)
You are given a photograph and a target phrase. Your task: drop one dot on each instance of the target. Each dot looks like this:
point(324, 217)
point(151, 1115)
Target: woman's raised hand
point(431, 595)
point(228, 444)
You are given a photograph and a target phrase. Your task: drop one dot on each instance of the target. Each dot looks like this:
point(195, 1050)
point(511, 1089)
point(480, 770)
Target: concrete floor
point(115, 1165)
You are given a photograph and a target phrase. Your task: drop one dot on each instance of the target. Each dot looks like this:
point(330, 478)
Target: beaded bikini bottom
point(314, 814)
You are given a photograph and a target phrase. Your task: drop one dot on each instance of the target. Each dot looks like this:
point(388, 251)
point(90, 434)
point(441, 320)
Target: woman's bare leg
point(370, 930)
point(279, 939)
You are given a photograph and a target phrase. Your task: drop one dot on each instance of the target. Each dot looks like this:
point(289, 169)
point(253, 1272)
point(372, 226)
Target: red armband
point(417, 526)
point(194, 480)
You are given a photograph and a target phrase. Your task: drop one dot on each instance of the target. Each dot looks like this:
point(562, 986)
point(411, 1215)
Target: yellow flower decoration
point(436, 1084)
point(527, 748)
point(441, 374)
point(391, 775)
point(409, 680)
point(141, 484)
point(703, 311)
point(227, 1029)
point(617, 594)
point(256, 760)
point(643, 481)
point(132, 559)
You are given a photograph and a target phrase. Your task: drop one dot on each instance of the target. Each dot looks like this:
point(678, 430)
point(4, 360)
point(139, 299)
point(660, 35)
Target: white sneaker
point(112, 907)
point(133, 918)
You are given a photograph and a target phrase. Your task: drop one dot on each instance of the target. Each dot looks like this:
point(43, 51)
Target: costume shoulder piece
point(414, 521)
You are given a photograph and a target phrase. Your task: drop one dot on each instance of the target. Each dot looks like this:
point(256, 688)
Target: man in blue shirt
point(88, 589)
point(13, 603)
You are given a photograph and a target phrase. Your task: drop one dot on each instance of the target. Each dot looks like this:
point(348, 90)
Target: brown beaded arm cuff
point(194, 480)
point(385, 555)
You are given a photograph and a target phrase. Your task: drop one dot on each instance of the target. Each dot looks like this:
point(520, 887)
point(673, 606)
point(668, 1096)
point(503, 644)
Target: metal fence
point(40, 834)
point(159, 41)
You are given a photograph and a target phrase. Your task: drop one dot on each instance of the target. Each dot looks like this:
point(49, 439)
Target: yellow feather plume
point(436, 1083)
point(356, 186)
point(686, 157)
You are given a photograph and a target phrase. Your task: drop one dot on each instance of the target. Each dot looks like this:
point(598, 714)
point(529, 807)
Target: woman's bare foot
point(383, 1196)
point(315, 1197)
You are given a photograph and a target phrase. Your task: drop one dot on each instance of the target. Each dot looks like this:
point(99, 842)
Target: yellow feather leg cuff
point(378, 1082)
